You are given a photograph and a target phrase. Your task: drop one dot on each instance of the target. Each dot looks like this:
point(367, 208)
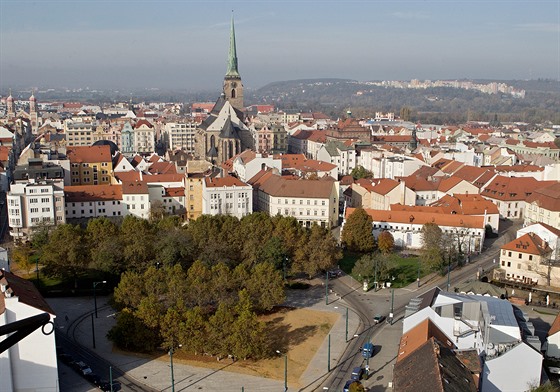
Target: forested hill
point(437, 105)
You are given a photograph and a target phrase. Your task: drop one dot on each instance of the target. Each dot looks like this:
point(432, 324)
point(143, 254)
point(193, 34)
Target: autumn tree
point(431, 252)
point(385, 241)
point(21, 255)
point(357, 232)
point(137, 237)
point(65, 254)
point(320, 252)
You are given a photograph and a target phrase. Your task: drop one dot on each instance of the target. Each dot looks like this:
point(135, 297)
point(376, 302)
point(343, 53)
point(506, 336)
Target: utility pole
point(346, 324)
point(327, 290)
point(329, 355)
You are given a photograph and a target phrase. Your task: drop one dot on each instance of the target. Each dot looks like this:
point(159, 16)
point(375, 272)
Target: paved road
point(386, 337)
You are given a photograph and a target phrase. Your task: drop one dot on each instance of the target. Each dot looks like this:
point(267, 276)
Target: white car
point(554, 370)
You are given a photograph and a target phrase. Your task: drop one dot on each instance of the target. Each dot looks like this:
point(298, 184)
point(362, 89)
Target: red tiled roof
point(511, 188)
point(89, 154)
point(547, 197)
point(81, 193)
point(134, 187)
point(555, 327)
point(420, 218)
point(166, 177)
point(143, 122)
point(128, 176)
point(162, 168)
point(529, 243)
point(174, 192)
point(218, 182)
point(279, 186)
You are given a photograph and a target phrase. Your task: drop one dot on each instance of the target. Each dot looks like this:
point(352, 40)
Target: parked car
point(106, 386)
point(554, 370)
point(367, 350)
point(65, 358)
point(378, 318)
point(81, 368)
point(357, 373)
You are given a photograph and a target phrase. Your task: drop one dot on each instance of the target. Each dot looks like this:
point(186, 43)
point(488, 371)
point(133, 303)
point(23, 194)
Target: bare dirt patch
point(297, 332)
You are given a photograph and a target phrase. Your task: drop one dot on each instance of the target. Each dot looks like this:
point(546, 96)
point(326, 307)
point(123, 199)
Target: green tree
point(356, 387)
point(265, 287)
point(104, 247)
point(219, 329)
point(359, 172)
point(431, 252)
point(273, 252)
point(192, 333)
point(174, 246)
point(247, 332)
point(65, 255)
point(385, 241)
point(357, 232)
point(137, 238)
point(375, 265)
point(130, 333)
point(320, 252)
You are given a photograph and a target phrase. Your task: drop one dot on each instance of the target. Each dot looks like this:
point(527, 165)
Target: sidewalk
point(157, 373)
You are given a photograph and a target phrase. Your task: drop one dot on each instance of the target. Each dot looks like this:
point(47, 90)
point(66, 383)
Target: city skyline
point(184, 44)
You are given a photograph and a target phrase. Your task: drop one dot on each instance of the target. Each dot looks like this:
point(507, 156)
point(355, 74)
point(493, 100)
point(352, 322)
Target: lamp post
point(418, 277)
point(171, 365)
point(327, 290)
point(285, 369)
point(95, 296)
point(448, 274)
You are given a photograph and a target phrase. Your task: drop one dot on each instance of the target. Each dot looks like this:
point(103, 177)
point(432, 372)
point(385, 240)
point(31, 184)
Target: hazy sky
point(183, 44)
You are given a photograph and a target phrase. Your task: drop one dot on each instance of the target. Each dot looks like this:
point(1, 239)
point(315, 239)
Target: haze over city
point(183, 44)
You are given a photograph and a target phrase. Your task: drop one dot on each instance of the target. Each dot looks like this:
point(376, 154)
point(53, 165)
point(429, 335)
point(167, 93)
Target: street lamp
point(285, 370)
point(171, 363)
point(95, 296)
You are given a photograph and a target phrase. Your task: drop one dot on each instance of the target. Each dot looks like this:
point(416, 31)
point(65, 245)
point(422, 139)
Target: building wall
point(234, 200)
point(536, 214)
point(91, 173)
point(144, 139)
point(514, 371)
point(137, 205)
point(34, 204)
point(307, 210)
point(32, 362)
point(526, 268)
point(94, 209)
point(180, 136)
point(193, 197)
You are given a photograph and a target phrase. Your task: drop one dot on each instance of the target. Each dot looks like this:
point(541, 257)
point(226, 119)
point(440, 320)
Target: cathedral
point(224, 134)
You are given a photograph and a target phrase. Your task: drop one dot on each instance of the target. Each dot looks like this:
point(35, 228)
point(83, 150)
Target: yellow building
point(91, 165)
point(193, 195)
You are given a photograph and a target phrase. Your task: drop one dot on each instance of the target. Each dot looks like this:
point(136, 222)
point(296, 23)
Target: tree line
point(201, 284)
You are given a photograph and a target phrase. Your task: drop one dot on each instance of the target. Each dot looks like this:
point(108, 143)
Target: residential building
point(546, 232)
point(379, 194)
point(144, 137)
point(247, 164)
point(341, 154)
point(474, 205)
point(271, 139)
point(91, 165)
point(510, 194)
point(170, 199)
point(31, 363)
point(136, 198)
point(180, 135)
point(226, 196)
point(127, 139)
point(543, 206)
point(93, 201)
point(193, 195)
point(309, 201)
point(34, 204)
point(406, 227)
point(527, 259)
point(78, 133)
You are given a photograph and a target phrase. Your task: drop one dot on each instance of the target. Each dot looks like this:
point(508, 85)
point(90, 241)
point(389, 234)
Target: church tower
point(33, 115)
point(233, 88)
point(10, 104)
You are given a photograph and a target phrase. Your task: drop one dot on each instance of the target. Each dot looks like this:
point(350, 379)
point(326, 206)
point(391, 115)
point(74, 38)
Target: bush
point(131, 334)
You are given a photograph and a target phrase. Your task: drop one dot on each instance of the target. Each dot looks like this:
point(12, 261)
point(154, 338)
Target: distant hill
point(438, 105)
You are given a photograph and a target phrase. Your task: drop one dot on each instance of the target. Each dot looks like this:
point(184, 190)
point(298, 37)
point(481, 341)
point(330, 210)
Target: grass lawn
point(405, 273)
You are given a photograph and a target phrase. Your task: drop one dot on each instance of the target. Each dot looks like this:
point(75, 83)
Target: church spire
point(232, 58)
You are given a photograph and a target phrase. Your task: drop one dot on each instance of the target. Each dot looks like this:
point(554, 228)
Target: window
point(509, 264)
point(503, 263)
point(518, 265)
point(530, 257)
point(509, 254)
point(520, 255)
